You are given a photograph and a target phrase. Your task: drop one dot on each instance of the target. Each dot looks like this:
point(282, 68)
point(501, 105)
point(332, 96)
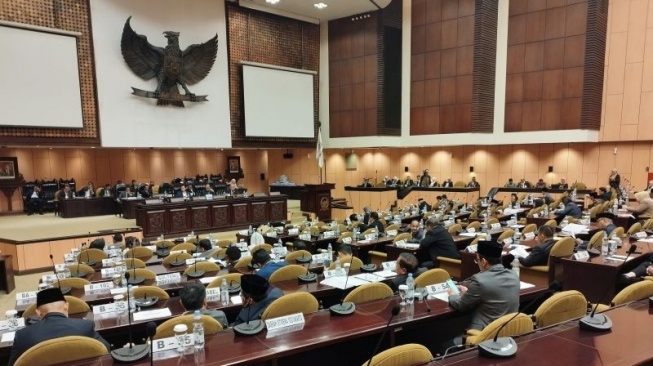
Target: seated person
point(540, 183)
point(205, 245)
point(35, 201)
point(88, 190)
point(514, 200)
point(539, 256)
point(546, 196)
point(406, 263)
point(416, 232)
point(571, 209)
point(605, 224)
point(423, 205)
point(233, 185)
point(447, 183)
point(642, 270)
point(193, 297)
point(523, 184)
point(267, 266)
point(298, 245)
point(52, 308)
point(491, 293)
point(97, 244)
point(208, 189)
point(126, 193)
point(366, 183)
point(473, 183)
point(183, 192)
point(563, 183)
point(604, 194)
point(117, 241)
point(145, 190)
point(134, 185)
point(233, 256)
point(256, 294)
point(65, 194)
point(438, 242)
point(107, 191)
point(373, 223)
point(645, 206)
point(510, 184)
point(344, 254)
point(409, 182)
point(434, 183)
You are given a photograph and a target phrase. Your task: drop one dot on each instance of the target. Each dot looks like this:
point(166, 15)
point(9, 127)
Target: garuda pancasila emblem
point(170, 65)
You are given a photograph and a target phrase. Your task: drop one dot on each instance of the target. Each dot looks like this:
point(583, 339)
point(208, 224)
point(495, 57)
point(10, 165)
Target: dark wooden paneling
point(278, 210)
point(179, 220)
point(200, 217)
point(259, 211)
point(221, 217)
point(556, 51)
point(432, 92)
point(240, 214)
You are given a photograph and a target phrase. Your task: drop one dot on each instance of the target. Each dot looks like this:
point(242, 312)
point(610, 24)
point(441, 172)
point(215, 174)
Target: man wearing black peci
point(256, 294)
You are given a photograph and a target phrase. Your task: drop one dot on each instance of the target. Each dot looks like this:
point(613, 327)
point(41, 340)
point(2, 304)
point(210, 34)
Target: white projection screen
point(39, 75)
point(278, 102)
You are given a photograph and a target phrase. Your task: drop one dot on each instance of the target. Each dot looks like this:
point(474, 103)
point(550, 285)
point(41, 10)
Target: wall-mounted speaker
point(287, 155)
point(406, 169)
point(262, 176)
point(550, 168)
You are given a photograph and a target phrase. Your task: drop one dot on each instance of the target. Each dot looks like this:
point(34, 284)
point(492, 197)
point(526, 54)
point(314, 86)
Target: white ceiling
point(335, 9)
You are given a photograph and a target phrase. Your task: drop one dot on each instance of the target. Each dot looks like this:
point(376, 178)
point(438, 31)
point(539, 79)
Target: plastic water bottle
point(515, 266)
point(250, 231)
point(198, 330)
point(516, 237)
point(224, 293)
point(546, 210)
point(338, 267)
point(132, 300)
point(330, 252)
point(410, 292)
point(615, 207)
point(605, 245)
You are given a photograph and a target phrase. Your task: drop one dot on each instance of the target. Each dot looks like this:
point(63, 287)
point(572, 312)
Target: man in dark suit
point(52, 308)
point(406, 263)
point(416, 232)
point(473, 183)
point(491, 293)
point(523, 184)
point(366, 215)
point(267, 265)
point(35, 201)
point(438, 242)
point(540, 254)
point(193, 297)
point(423, 205)
point(256, 294)
point(65, 194)
point(448, 183)
point(571, 209)
point(374, 223)
point(409, 181)
point(233, 256)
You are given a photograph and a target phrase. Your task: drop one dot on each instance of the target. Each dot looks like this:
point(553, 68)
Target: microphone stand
point(344, 308)
point(370, 267)
point(151, 332)
point(134, 352)
point(249, 328)
point(135, 280)
point(601, 322)
point(64, 290)
point(395, 311)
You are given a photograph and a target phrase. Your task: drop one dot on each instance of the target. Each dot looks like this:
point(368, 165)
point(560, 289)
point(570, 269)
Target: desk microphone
point(307, 277)
point(136, 280)
point(195, 273)
point(249, 328)
point(395, 310)
point(150, 330)
point(64, 290)
point(176, 262)
point(303, 258)
point(344, 308)
point(504, 347)
point(370, 267)
point(134, 352)
point(600, 322)
point(88, 255)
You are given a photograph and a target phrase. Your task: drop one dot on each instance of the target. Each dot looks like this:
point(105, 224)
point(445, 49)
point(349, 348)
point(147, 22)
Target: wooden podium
point(316, 198)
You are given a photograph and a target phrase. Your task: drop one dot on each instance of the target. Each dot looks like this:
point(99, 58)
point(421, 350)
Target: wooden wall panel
point(452, 50)
point(558, 48)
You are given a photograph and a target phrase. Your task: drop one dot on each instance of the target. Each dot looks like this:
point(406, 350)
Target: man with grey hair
point(438, 242)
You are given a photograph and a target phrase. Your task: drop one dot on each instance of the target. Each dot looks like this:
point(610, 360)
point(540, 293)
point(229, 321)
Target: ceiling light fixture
point(272, 1)
point(320, 5)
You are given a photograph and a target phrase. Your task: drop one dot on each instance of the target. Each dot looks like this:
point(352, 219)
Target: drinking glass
point(180, 334)
point(403, 289)
point(12, 319)
point(117, 279)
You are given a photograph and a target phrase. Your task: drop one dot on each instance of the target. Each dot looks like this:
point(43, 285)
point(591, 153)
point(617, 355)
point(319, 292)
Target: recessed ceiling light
point(320, 5)
point(272, 1)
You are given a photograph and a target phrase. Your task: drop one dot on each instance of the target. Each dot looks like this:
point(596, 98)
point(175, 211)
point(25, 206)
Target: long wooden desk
point(129, 207)
point(326, 339)
point(628, 343)
point(93, 206)
point(201, 215)
point(597, 278)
